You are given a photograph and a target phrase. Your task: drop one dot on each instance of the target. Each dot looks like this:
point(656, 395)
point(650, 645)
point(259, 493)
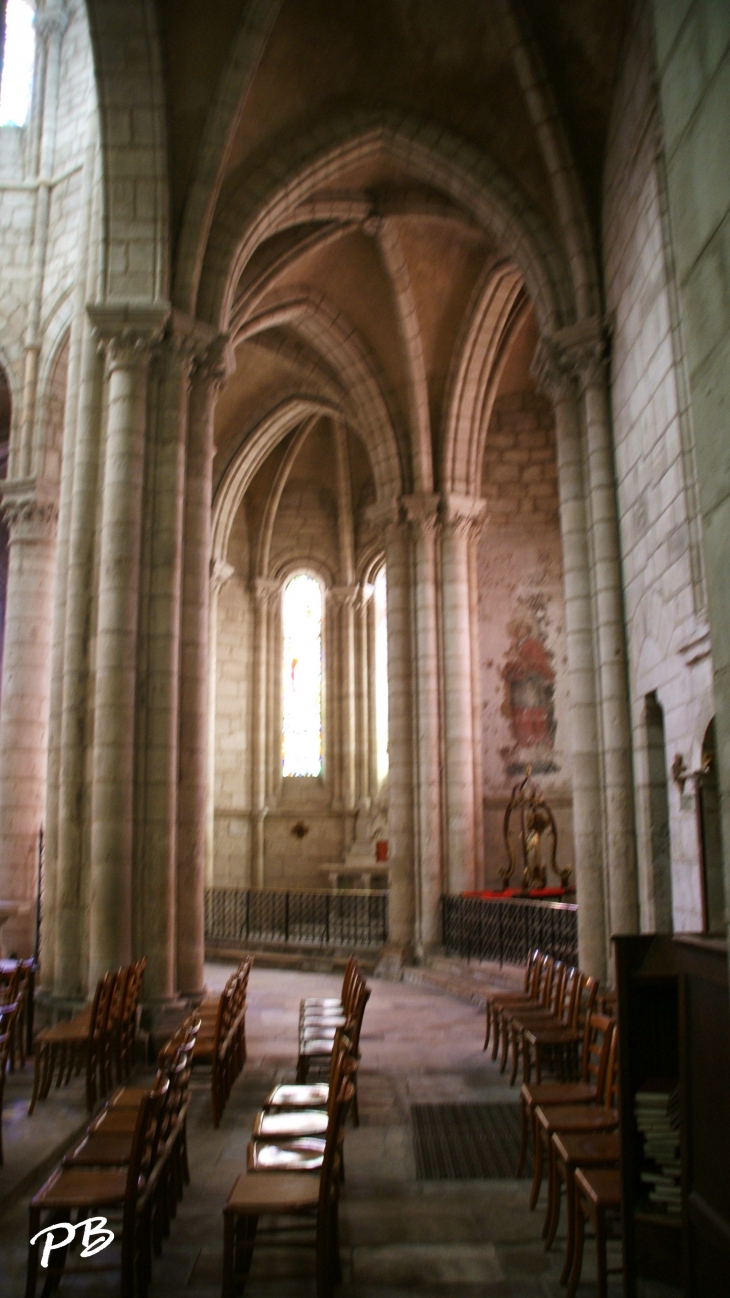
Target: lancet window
point(302, 676)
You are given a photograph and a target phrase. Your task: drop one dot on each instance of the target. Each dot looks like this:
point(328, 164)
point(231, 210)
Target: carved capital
point(343, 596)
point(127, 333)
point(570, 360)
point(463, 516)
point(220, 573)
point(422, 512)
point(382, 514)
point(30, 511)
point(365, 593)
point(265, 592)
point(49, 22)
point(213, 364)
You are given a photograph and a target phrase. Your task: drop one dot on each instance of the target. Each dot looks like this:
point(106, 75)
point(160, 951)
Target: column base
point(392, 959)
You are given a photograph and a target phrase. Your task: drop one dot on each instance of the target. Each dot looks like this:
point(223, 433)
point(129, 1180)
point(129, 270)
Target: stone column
point(86, 268)
point(422, 512)
point(584, 728)
point(71, 956)
point(127, 335)
point(461, 520)
point(579, 353)
point(155, 889)
point(208, 375)
point(612, 655)
point(31, 516)
point(400, 732)
point(369, 671)
point(263, 591)
point(364, 787)
point(220, 572)
point(342, 600)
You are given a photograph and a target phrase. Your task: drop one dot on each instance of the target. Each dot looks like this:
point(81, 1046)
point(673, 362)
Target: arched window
point(302, 676)
point(18, 60)
point(380, 603)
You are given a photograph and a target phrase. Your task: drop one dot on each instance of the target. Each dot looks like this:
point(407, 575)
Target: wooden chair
point(568, 1151)
point(598, 1195)
point(66, 1044)
point(8, 1016)
point(283, 1126)
point(334, 1003)
point(127, 1034)
point(112, 1190)
point(290, 1196)
point(583, 1118)
point(597, 1034)
point(495, 999)
point(308, 1095)
point(317, 1051)
point(23, 989)
point(506, 1011)
point(560, 1041)
point(545, 1016)
point(224, 1047)
point(313, 1016)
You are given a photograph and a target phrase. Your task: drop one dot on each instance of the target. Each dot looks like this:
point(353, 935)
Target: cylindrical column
point(611, 656)
point(586, 776)
point(263, 591)
point(343, 600)
point(25, 698)
point(70, 968)
point(110, 921)
point(156, 897)
point(422, 512)
point(50, 25)
point(400, 736)
point(80, 328)
point(362, 693)
point(461, 520)
point(194, 674)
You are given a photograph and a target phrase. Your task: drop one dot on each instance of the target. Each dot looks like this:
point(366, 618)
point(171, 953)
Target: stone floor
point(400, 1237)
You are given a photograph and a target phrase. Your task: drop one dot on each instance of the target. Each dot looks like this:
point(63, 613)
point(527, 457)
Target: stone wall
point(693, 58)
point(668, 638)
point(523, 664)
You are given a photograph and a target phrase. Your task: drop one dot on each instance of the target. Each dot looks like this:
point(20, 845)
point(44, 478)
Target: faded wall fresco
point(522, 651)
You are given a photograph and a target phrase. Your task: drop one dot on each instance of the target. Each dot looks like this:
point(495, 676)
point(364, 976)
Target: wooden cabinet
point(674, 1023)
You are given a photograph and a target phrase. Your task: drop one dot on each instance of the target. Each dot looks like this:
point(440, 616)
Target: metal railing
point(318, 918)
point(488, 928)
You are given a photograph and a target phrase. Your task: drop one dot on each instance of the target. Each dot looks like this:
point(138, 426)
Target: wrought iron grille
point(486, 928)
point(321, 918)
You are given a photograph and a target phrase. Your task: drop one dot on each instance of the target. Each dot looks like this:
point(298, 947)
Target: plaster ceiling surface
point(322, 61)
point(446, 62)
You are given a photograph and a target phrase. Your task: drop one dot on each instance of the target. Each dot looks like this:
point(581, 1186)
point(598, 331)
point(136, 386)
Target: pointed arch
point(499, 306)
point(255, 206)
point(330, 336)
point(133, 130)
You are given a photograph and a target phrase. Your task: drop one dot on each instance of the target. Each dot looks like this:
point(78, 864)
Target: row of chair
point(8, 1018)
point(98, 1037)
point(321, 1017)
point(131, 1165)
point(572, 1121)
point(300, 1133)
point(222, 1040)
point(16, 988)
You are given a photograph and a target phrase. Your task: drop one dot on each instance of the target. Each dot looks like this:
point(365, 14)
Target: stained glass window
point(380, 601)
point(17, 78)
point(302, 676)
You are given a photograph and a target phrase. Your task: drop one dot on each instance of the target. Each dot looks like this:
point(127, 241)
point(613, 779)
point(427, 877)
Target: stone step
point(468, 982)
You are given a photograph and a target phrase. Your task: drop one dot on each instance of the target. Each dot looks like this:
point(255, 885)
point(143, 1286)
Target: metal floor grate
point(465, 1142)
